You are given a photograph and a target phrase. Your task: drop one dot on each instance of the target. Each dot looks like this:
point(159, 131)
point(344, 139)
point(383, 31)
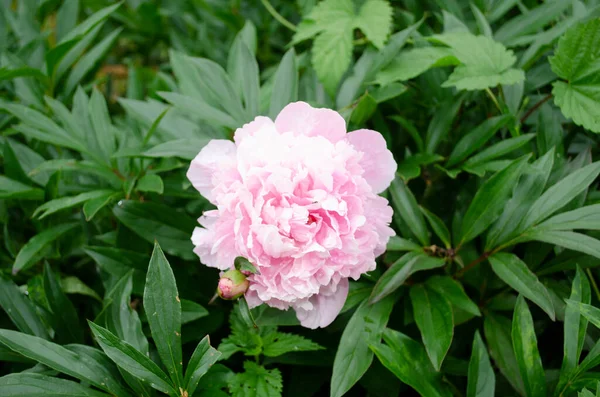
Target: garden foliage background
point(491, 108)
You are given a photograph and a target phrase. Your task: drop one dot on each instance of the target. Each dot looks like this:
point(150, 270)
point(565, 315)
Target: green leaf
point(90, 22)
point(64, 312)
point(285, 86)
point(435, 321)
point(191, 311)
point(407, 207)
point(587, 218)
point(497, 150)
point(131, 360)
point(476, 139)
point(497, 330)
point(441, 122)
point(526, 350)
point(514, 272)
point(438, 226)
point(244, 265)
point(121, 319)
point(73, 285)
point(400, 244)
point(202, 359)
point(243, 70)
point(25, 71)
point(62, 360)
point(481, 380)
point(484, 62)
point(29, 252)
point(11, 189)
point(37, 385)
point(163, 310)
point(256, 381)
point(199, 110)
point(414, 62)
point(407, 359)
point(151, 183)
point(590, 312)
point(400, 270)
point(101, 124)
point(63, 203)
point(278, 343)
point(571, 240)
point(153, 221)
point(490, 200)
point(561, 193)
point(375, 20)
point(93, 206)
point(576, 60)
point(453, 291)
point(332, 54)
point(353, 356)
point(20, 309)
point(185, 148)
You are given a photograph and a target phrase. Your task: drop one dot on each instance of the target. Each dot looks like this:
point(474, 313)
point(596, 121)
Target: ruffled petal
point(206, 170)
point(302, 119)
point(378, 162)
point(326, 305)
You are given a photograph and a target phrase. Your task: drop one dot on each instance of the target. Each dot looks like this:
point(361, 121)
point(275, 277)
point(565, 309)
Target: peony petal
point(303, 119)
point(260, 123)
point(377, 162)
point(326, 306)
point(217, 156)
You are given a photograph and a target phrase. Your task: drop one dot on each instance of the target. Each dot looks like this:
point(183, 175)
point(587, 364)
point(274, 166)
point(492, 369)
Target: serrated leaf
point(332, 53)
point(278, 343)
point(526, 350)
point(514, 272)
point(256, 381)
point(375, 20)
point(481, 380)
point(435, 321)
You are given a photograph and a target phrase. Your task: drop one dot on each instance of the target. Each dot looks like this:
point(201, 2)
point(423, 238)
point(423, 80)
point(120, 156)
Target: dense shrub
point(491, 109)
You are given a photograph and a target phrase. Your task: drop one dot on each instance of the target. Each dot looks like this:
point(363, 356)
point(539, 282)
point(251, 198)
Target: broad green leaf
point(497, 331)
point(243, 70)
point(528, 189)
point(590, 312)
point(407, 207)
point(571, 240)
point(185, 148)
point(526, 350)
point(163, 310)
point(576, 60)
point(101, 124)
point(476, 139)
point(25, 71)
point(407, 359)
point(353, 356)
point(441, 123)
point(481, 380)
point(62, 360)
point(375, 20)
point(490, 200)
point(20, 309)
point(438, 226)
point(11, 189)
point(285, 86)
point(65, 315)
point(256, 381)
point(497, 150)
point(514, 272)
point(482, 23)
point(278, 343)
point(66, 18)
point(435, 321)
point(151, 183)
point(63, 203)
point(191, 311)
point(484, 62)
point(117, 261)
point(131, 360)
point(561, 193)
point(199, 110)
point(93, 206)
point(121, 319)
point(89, 60)
point(400, 270)
point(73, 285)
point(575, 326)
point(29, 252)
point(400, 244)
point(84, 167)
point(37, 385)
point(453, 291)
point(158, 222)
point(332, 54)
point(90, 22)
point(202, 359)
point(587, 218)
point(414, 62)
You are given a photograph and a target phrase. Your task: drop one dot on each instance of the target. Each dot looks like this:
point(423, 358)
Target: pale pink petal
point(214, 158)
point(252, 128)
point(377, 162)
point(302, 119)
point(326, 306)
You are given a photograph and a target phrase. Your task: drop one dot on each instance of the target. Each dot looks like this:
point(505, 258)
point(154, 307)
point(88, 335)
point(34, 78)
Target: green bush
point(491, 109)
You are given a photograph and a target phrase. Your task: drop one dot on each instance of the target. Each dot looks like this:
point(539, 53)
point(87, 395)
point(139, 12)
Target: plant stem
point(593, 281)
point(494, 99)
point(278, 16)
point(535, 107)
point(471, 265)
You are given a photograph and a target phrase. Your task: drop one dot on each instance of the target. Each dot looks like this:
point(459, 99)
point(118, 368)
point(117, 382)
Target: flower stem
point(494, 99)
point(535, 107)
point(278, 16)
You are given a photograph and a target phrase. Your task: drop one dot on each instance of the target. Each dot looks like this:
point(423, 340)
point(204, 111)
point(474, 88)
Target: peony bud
point(232, 285)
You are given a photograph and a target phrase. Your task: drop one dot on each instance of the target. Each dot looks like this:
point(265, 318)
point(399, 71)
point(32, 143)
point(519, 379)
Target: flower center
point(311, 219)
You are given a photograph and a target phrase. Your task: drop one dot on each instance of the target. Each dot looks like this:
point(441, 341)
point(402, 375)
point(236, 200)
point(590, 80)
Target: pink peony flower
point(298, 198)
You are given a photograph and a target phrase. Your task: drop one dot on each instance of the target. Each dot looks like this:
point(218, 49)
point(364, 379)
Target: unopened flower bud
point(232, 285)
